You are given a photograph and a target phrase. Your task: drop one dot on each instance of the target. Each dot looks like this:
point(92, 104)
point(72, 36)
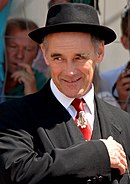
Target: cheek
point(88, 71)
point(54, 70)
point(88, 68)
point(33, 53)
point(28, 58)
point(9, 54)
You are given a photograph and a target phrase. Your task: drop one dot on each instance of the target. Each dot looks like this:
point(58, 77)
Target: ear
point(100, 53)
point(125, 41)
point(43, 51)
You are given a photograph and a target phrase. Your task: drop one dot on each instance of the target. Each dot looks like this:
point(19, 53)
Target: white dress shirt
point(66, 102)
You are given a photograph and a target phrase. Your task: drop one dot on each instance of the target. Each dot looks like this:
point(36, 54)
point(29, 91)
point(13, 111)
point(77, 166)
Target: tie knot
point(78, 104)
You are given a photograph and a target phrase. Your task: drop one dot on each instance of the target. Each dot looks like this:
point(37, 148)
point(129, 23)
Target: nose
point(20, 53)
point(70, 68)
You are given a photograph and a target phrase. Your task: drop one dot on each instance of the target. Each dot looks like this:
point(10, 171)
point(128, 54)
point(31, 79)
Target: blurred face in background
point(19, 49)
point(125, 39)
point(125, 28)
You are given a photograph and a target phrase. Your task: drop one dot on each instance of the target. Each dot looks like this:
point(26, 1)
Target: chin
point(73, 95)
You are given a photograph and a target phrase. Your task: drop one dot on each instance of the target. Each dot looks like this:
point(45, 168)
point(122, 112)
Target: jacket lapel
point(58, 124)
point(108, 123)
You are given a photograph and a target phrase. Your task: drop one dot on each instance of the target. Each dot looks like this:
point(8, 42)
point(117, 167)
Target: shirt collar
point(66, 101)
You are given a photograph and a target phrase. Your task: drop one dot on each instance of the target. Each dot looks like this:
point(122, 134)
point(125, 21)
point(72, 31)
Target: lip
point(14, 64)
point(72, 81)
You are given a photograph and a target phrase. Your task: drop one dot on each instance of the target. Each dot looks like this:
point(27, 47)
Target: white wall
point(32, 9)
point(115, 54)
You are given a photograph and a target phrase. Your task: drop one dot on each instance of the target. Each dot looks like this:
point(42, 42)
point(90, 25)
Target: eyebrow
point(78, 54)
point(84, 55)
point(56, 54)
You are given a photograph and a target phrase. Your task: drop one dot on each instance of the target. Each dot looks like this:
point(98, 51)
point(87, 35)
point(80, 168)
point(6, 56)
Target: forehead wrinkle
point(72, 44)
point(69, 37)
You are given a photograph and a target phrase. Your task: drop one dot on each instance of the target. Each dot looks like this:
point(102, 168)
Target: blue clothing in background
point(3, 19)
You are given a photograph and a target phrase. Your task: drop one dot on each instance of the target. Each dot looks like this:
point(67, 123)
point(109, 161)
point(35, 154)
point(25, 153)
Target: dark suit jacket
point(41, 144)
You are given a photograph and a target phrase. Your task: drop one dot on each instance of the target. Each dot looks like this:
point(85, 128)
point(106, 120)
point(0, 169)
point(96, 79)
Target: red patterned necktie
point(80, 118)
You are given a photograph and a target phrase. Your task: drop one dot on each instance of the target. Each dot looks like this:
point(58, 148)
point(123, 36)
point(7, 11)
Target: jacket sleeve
point(21, 162)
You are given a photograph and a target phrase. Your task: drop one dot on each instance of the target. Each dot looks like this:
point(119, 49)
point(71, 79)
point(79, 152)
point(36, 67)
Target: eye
point(12, 46)
point(80, 58)
point(29, 49)
point(58, 59)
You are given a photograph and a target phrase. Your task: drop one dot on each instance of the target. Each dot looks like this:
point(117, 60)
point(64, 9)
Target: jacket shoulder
point(108, 109)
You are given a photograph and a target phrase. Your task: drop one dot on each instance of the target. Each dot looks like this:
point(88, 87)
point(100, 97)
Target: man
point(117, 81)
point(20, 53)
point(49, 137)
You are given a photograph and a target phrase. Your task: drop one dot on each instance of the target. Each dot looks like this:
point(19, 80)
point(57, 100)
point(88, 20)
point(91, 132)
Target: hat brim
point(102, 32)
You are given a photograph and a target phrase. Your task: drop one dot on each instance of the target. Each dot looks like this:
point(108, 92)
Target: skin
point(123, 81)
point(20, 53)
point(72, 57)
point(123, 87)
point(72, 63)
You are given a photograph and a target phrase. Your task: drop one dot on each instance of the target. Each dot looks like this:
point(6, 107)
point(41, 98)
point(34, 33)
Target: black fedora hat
point(73, 17)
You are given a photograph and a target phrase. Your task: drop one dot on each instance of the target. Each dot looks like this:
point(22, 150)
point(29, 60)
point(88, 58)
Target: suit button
point(89, 181)
point(100, 178)
point(94, 179)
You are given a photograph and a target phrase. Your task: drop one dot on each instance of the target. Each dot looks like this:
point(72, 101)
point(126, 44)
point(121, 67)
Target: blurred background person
point(104, 95)
point(117, 81)
point(21, 78)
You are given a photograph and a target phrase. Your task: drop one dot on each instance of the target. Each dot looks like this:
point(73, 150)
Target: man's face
point(72, 59)
point(19, 49)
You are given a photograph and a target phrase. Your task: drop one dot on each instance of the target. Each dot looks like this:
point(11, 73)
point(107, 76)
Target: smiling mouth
point(72, 81)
